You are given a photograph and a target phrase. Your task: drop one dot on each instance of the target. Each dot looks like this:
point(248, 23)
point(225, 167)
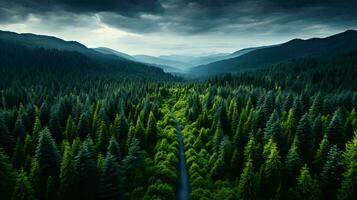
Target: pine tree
point(69, 178)
point(83, 128)
point(102, 138)
point(87, 171)
point(271, 177)
point(18, 159)
point(317, 130)
point(7, 177)
point(70, 131)
point(132, 166)
point(331, 173)
point(114, 149)
point(47, 155)
point(305, 138)
point(247, 188)
point(306, 187)
point(19, 130)
point(293, 164)
point(110, 185)
point(348, 190)
point(6, 139)
point(335, 129)
point(151, 132)
point(51, 192)
point(23, 189)
point(321, 154)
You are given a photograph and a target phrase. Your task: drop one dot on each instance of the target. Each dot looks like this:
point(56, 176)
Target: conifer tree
point(293, 164)
point(110, 185)
point(247, 188)
point(335, 129)
point(305, 138)
point(321, 154)
point(19, 130)
point(6, 139)
point(47, 156)
point(7, 176)
point(23, 189)
point(69, 178)
point(87, 171)
point(306, 187)
point(348, 190)
point(83, 128)
point(102, 138)
point(114, 149)
point(151, 131)
point(18, 159)
point(132, 166)
point(271, 177)
point(331, 173)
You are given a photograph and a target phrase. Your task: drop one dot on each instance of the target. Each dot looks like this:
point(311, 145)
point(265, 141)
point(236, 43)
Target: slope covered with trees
point(73, 130)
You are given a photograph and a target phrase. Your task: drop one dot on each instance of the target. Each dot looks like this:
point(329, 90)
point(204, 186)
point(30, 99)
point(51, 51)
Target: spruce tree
point(305, 138)
point(247, 188)
point(18, 159)
point(331, 173)
point(335, 129)
point(6, 139)
point(110, 185)
point(348, 190)
point(69, 178)
point(23, 189)
point(87, 171)
point(47, 155)
point(293, 164)
point(151, 132)
point(114, 149)
point(7, 177)
point(306, 188)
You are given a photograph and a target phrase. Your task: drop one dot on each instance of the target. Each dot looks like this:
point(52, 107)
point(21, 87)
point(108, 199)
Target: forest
point(285, 132)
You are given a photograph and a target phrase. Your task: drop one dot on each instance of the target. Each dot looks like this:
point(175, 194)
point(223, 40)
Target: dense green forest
point(285, 132)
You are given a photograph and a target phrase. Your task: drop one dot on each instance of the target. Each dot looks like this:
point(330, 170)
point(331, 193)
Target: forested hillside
point(71, 130)
point(322, 48)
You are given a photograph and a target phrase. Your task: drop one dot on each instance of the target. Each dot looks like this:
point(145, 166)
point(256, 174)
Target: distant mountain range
point(51, 53)
point(338, 44)
point(239, 61)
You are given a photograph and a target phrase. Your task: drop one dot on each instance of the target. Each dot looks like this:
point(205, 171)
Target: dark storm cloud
point(193, 16)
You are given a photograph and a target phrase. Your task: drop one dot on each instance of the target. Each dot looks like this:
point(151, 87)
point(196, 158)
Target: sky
point(183, 27)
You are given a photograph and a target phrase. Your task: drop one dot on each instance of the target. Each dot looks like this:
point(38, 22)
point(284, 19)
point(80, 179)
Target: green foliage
point(7, 177)
point(23, 189)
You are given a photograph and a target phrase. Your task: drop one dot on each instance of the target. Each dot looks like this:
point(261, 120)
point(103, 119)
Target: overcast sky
point(162, 27)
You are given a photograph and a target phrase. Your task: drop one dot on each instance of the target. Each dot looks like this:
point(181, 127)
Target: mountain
point(316, 47)
point(109, 51)
point(160, 61)
point(38, 53)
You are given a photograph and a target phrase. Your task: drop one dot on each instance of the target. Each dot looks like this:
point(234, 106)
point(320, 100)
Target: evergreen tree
point(69, 178)
point(47, 155)
point(306, 187)
point(247, 188)
point(293, 164)
point(7, 177)
point(83, 127)
point(331, 173)
point(23, 189)
point(151, 132)
point(271, 177)
point(102, 138)
point(132, 166)
point(87, 171)
point(114, 149)
point(348, 190)
point(321, 154)
point(335, 129)
point(110, 186)
point(19, 130)
point(18, 159)
point(6, 139)
point(305, 138)
point(51, 192)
